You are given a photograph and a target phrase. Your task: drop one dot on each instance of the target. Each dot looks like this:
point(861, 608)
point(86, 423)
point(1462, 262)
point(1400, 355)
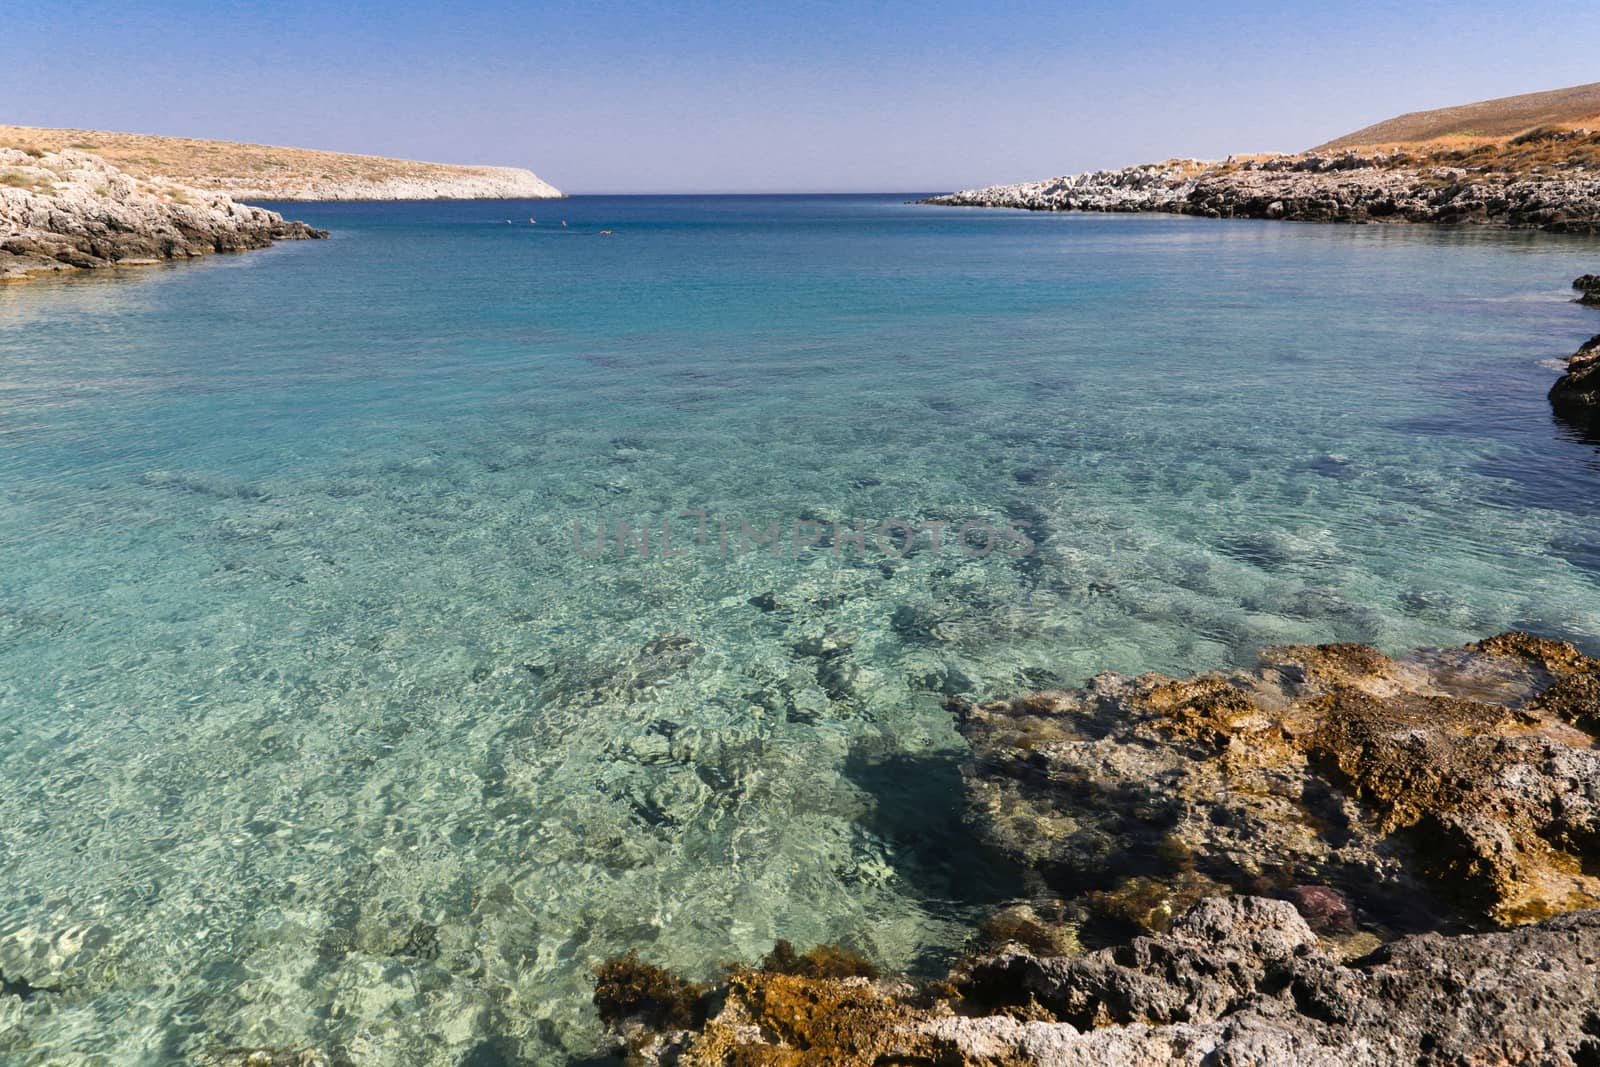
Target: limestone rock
point(1348, 187)
point(67, 210)
point(1237, 980)
point(1446, 787)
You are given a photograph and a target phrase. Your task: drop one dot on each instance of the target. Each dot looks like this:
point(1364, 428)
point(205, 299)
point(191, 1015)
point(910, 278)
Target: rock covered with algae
point(1458, 786)
point(1246, 846)
point(1234, 980)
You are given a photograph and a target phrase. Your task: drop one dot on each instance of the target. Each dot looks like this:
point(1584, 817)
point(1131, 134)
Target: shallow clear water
point(318, 728)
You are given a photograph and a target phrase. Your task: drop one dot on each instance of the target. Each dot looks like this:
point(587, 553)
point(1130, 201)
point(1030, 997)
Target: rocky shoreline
point(71, 210)
point(1546, 180)
point(1338, 857)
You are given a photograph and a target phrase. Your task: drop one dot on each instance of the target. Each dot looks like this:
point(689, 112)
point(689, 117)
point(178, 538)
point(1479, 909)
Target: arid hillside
point(265, 172)
point(1487, 120)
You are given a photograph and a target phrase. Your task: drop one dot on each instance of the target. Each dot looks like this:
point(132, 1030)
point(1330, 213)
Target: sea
point(394, 627)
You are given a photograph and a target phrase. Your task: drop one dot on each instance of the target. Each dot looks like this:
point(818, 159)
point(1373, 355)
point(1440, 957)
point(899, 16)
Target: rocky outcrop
point(1588, 287)
point(70, 210)
point(1250, 848)
point(1445, 787)
point(1576, 394)
point(1348, 187)
point(1235, 980)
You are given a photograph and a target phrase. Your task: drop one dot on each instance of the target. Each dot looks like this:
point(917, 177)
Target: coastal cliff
point(267, 172)
point(1336, 858)
point(1549, 181)
point(70, 210)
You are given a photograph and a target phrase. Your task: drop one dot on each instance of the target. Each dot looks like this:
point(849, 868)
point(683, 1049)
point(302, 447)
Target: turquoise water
point(318, 728)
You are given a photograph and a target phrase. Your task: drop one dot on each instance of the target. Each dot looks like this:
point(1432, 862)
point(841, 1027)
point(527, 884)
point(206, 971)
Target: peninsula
point(266, 172)
point(77, 199)
point(1527, 162)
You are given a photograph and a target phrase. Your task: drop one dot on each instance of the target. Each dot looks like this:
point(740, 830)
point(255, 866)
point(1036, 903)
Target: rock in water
point(1236, 980)
point(1576, 395)
point(1589, 286)
point(1453, 788)
point(1446, 786)
point(71, 210)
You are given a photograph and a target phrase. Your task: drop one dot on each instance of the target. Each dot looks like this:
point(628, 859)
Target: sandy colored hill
point(1578, 106)
point(265, 172)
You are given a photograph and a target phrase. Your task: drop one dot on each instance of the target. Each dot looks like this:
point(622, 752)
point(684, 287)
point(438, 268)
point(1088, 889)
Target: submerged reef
point(1337, 857)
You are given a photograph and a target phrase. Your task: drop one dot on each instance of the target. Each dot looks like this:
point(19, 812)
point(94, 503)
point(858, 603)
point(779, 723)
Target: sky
point(803, 96)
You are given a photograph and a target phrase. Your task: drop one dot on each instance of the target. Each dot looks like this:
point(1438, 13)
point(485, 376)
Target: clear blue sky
point(603, 96)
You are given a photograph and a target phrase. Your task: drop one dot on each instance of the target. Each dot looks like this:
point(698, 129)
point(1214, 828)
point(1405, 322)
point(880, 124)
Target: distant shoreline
point(270, 172)
point(1540, 184)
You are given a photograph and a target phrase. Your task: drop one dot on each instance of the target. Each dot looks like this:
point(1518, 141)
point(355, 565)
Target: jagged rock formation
point(70, 210)
point(1449, 789)
point(1458, 785)
point(1549, 180)
point(1576, 394)
point(1589, 286)
point(1235, 980)
point(267, 172)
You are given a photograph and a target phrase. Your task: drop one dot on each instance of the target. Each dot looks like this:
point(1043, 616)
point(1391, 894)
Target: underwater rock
point(630, 994)
point(267, 1057)
point(22, 988)
point(1452, 789)
point(1236, 980)
point(1576, 395)
point(1447, 787)
point(1325, 909)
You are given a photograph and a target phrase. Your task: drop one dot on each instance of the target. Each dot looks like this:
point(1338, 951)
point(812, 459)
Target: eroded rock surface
point(71, 210)
point(1236, 980)
point(1249, 847)
point(1444, 787)
point(1588, 288)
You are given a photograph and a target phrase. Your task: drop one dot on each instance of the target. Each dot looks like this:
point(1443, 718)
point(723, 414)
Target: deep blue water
point(320, 727)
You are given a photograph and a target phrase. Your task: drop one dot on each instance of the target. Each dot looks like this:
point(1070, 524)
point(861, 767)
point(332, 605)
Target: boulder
point(1588, 287)
point(1576, 394)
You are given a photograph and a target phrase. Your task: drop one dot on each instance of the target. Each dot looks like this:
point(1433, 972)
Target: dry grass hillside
point(251, 171)
point(1469, 125)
